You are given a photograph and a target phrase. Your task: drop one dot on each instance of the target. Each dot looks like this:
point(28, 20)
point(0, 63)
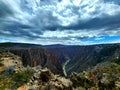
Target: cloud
point(59, 21)
point(4, 10)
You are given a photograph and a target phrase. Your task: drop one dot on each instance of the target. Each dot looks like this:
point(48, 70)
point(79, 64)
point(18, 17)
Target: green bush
point(21, 78)
point(3, 88)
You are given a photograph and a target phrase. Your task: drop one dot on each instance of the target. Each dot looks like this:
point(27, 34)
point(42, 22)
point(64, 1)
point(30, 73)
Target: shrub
point(20, 78)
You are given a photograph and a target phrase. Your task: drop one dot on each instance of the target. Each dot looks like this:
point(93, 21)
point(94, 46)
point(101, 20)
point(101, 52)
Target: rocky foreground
point(14, 76)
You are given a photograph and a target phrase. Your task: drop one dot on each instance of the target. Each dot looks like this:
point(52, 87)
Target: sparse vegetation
point(21, 78)
point(15, 80)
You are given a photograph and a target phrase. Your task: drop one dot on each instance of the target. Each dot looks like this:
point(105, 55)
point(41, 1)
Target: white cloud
point(71, 33)
point(64, 10)
point(40, 14)
point(116, 41)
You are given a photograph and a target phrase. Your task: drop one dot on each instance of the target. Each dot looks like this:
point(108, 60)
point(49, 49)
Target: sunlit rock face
point(9, 61)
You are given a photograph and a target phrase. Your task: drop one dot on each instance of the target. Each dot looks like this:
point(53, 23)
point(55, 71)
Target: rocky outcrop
point(10, 62)
point(44, 79)
point(93, 79)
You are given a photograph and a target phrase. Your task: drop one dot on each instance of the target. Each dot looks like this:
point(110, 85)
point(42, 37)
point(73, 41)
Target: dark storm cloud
point(16, 25)
point(22, 34)
point(97, 23)
point(15, 29)
point(5, 10)
point(107, 22)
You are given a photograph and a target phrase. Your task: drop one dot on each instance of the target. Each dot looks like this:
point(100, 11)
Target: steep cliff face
point(89, 56)
point(53, 56)
point(38, 56)
point(64, 51)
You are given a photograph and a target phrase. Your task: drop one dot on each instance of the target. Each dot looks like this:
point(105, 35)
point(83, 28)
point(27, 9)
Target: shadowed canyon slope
point(89, 56)
point(53, 56)
point(34, 55)
point(39, 56)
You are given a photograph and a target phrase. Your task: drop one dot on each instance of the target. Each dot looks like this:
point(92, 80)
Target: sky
point(69, 22)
